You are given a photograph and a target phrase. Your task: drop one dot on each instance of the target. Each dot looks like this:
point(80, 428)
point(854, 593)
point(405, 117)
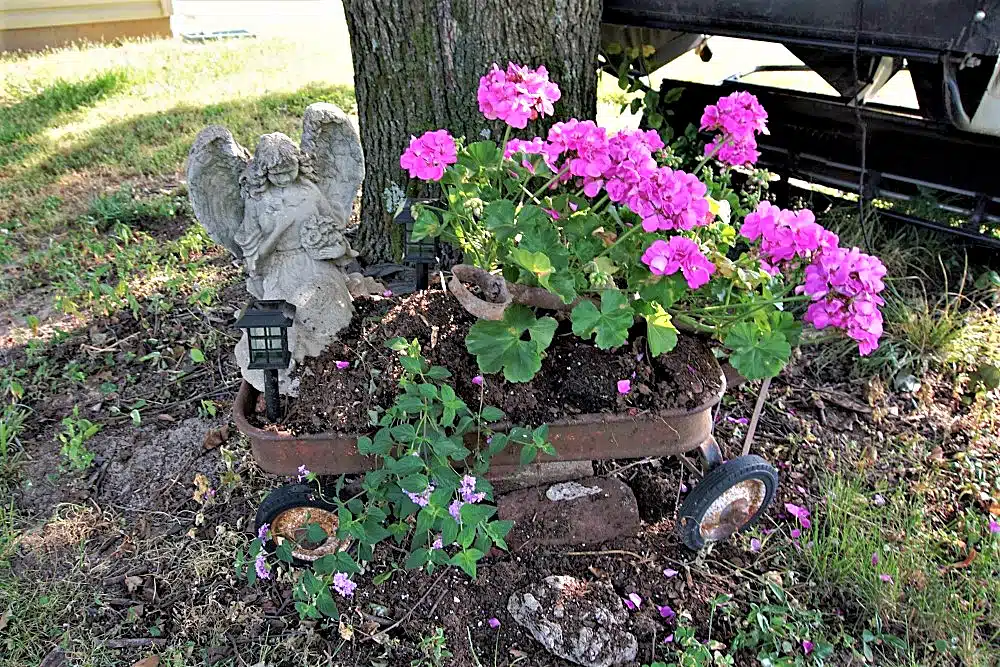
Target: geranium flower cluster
point(739, 117)
point(517, 95)
point(680, 253)
point(429, 154)
point(844, 285)
point(786, 235)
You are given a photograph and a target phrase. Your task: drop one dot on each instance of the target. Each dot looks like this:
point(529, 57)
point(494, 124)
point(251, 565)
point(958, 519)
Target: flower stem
point(555, 178)
point(711, 154)
point(621, 238)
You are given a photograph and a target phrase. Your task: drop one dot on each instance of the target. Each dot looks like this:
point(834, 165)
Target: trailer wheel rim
point(292, 524)
point(732, 510)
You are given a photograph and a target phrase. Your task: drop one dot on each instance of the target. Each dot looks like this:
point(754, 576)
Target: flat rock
point(589, 511)
point(511, 478)
point(580, 621)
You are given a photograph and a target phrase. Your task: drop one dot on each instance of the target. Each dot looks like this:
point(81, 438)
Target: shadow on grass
point(20, 122)
point(158, 143)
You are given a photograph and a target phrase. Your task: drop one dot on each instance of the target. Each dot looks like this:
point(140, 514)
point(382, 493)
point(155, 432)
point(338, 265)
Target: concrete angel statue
point(283, 211)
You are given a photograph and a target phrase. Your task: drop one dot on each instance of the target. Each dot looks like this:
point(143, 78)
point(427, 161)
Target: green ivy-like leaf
point(611, 323)
point(467, 559)
point(498, 345)
point(473, 515)
point(757, 353)
point(418, 558)
point(326, 605)
point(660, 332)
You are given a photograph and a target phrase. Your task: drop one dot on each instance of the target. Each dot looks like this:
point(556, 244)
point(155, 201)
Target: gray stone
point(570, 491)
point(284, 212)
point(572, 518)
point(580, 621)
point(511, 478)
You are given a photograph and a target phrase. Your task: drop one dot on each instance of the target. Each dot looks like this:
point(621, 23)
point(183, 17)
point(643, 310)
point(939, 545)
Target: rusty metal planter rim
point(581, 437)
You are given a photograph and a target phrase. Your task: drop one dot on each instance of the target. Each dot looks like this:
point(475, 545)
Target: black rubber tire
point(716, 483)
point(285, 498)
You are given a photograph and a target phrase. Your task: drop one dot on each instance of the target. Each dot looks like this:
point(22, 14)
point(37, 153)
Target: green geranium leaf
point(664, 291)
point(785, 324)
point(480, 154)
point(498, 216)
point(535, 263)
point(757, 353)
point(660, 331)
point(611, 323)
point(426, 226)
point(498, 345)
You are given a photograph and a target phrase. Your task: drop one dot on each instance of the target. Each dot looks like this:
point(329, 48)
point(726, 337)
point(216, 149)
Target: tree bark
point(417, 65)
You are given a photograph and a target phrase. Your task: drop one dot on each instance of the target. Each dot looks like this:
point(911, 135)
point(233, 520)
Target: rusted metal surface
point(580, 438)
point(733, 510)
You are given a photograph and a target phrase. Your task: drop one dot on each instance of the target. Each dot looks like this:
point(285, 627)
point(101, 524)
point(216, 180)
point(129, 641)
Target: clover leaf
point(660, 331)
point(611, 323)
point(757, 353)
point(501, 345)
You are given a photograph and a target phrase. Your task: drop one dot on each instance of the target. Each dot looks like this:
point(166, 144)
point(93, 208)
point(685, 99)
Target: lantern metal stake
point(267, 341)
point(419, 254)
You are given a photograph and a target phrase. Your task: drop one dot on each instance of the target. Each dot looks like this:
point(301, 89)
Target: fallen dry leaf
point(4, 619)
point(164, 417)
point(995, 509)
point(346, 632)
point(148, 661)
point(957, 566)
point(132, 583)
point(55, 658)
point(216, 437)
point(937, 454)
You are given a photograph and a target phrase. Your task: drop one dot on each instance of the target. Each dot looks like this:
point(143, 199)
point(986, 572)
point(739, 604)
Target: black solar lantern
point(419, 254)
point(267, 341)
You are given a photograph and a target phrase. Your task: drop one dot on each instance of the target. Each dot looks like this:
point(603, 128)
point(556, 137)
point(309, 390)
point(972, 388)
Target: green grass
point(951, 612)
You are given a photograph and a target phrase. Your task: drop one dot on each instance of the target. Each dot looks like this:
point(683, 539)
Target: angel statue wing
point(213, 174)
point(331, 140)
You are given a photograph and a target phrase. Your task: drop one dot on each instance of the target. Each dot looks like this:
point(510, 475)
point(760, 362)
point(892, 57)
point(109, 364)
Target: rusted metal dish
point(580, 438)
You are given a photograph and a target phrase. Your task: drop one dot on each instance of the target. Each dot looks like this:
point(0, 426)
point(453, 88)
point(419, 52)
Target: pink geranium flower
point(429, 154)
point(517, 95)
point(679, 253)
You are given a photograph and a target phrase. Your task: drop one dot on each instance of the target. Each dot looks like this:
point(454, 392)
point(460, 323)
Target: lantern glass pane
point(274, 331)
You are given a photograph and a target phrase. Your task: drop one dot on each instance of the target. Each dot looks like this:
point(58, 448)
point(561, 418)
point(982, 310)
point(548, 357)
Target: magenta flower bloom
point(262, 568)
point(494, 623)
point(994, 526)
point(669, 638)
point(875, 558)
point(633, 601)
point(666, 612)
point(478, 380)
point(755, 545)
point(517, 95)
point(800, 513)
point(341, 365)
point(303, 473)
point(263, 532)
point(739, 117)
point(807, 646)
point(429, 154)
point(624, 386)
point(387, 293)
point(887, 578)
point(343, 585)
point(795, 533)
point(669, 200)
point(665, 258)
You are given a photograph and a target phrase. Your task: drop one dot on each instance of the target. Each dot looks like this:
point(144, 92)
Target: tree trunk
point(417, 65)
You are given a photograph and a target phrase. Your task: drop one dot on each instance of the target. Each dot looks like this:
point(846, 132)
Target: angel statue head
point(277, 161)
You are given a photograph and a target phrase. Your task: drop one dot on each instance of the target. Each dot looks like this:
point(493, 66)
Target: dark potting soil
point(576, 377)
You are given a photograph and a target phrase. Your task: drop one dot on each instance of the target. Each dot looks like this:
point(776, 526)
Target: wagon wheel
point(728, 500)
point(289, 510)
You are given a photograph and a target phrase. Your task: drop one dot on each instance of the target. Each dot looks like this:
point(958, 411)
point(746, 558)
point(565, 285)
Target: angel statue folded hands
point(284, 212)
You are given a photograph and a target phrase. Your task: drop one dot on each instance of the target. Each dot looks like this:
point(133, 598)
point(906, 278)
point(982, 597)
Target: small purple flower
point(478, 380)
point(210, 493)
point(341, 365)
point(387, 293)
point(669, 574)
point(262, 568)
point(755, 545)
point(494, 623)
point(684, 487)
point(807, 646)
point(437, 544)
point(467, 489)
point(742, 421)
point(887, 578)
point(800, 513)
point(666, 612)
point(796, 533)
point(875, 558)
point(994, 526)
point(624, 386)
point(263, 532)
point(421, 499)
point(878, 500)
point(455, 510)
point(343, 585)
point(669, 638)
point(303, 472)
point(633, 601)
point(639, 356)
